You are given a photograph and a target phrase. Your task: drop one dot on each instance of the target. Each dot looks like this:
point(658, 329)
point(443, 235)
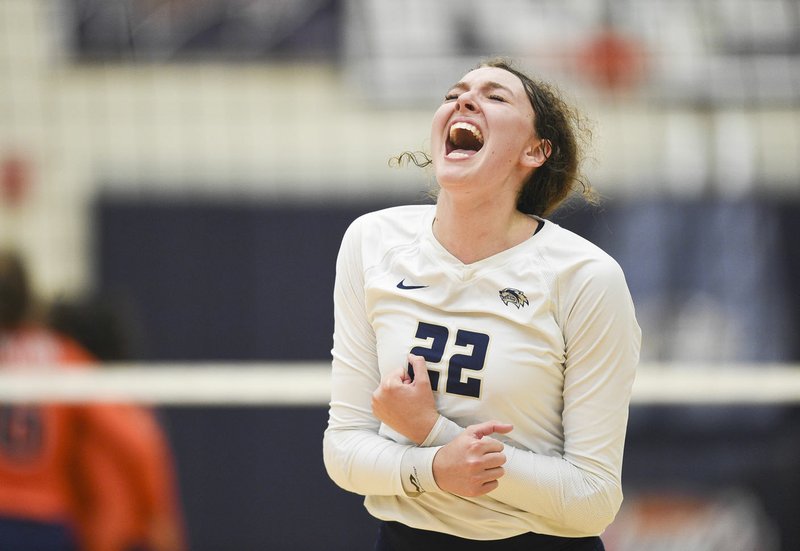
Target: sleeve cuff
point(416, 471)
point(443, 431)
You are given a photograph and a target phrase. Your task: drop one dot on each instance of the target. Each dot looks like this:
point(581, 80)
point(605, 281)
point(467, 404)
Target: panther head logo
point(513, 296)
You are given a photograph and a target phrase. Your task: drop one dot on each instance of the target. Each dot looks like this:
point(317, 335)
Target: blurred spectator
point(90, 477)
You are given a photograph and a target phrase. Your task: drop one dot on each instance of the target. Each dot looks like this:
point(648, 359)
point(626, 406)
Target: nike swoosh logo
point(402, 285)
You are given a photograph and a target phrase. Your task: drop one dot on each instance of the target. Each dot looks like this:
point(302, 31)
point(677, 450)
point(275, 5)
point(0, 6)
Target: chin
point(454, 179)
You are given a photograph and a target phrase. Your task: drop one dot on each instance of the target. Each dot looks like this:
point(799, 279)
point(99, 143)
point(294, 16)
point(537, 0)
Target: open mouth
point(463, 141)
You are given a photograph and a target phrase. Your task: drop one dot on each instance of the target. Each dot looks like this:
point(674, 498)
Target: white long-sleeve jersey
point(542, 336)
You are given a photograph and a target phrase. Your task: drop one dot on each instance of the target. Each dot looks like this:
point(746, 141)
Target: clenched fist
point(471, 464)
point(406, 403)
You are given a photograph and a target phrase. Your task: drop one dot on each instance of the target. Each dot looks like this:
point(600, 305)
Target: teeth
point(457, 155)
point(468, 127)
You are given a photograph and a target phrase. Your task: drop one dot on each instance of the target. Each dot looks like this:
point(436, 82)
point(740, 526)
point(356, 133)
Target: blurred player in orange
point(123, 512)
point(38, 485)
point(89, 477)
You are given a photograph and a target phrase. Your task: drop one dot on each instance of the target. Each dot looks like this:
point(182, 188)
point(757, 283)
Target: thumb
point(418, 369)
point(489, 427)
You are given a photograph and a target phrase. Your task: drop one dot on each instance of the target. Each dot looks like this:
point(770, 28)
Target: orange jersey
point(37, 453)
point(105, 468)
point(132, 497)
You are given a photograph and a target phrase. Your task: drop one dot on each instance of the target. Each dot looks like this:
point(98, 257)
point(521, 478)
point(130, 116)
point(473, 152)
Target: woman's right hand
point(471, 464)
point(406, 403)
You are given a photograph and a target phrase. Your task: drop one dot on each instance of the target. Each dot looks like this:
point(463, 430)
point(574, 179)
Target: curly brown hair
point(563, 127)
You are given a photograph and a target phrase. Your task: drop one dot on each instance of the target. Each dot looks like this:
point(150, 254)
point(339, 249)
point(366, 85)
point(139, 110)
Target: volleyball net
point(307, 384)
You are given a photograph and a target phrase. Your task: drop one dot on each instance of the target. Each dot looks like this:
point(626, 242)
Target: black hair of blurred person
point(101, 324)
point(15, 291)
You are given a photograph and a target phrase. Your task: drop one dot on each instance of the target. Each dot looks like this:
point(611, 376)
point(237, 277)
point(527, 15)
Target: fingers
point(386, 389)
point(487, 487)
point(485, 481)
point(469, 466)
point(489, 427)
point(481, 478)
point(417, 369)
point(493, 475)
point(405, 406)
point(394, 377)
point(493, 460)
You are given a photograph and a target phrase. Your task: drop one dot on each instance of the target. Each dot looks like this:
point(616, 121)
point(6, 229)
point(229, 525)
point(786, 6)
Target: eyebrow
point(488, 85)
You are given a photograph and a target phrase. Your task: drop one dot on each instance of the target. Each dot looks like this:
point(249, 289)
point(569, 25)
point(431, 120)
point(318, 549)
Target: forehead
point(483, 75)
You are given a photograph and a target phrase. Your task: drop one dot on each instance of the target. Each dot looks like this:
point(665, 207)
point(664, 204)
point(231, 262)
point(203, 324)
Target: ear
point(537, 153)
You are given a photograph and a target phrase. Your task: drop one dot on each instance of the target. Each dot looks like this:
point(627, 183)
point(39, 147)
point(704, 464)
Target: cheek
point(518, 135)
point(510, 139)
point(440, 118)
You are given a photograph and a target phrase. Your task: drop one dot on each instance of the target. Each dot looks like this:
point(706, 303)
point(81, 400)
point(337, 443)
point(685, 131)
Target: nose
point(466, 102)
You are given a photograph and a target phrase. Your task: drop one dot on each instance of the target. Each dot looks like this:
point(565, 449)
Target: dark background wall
point(230, 281)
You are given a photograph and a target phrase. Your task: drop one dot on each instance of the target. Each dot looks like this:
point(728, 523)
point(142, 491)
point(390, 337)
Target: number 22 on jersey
point(457, 381)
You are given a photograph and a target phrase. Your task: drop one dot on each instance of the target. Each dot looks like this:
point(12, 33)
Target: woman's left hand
point(405, 404)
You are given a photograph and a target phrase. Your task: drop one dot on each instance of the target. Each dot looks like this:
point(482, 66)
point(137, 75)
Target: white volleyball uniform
point(542, 336)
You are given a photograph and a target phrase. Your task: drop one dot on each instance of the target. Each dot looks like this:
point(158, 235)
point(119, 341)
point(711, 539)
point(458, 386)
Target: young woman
point(483, 356)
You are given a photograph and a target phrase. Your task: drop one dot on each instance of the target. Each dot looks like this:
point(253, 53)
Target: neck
point(473, 232)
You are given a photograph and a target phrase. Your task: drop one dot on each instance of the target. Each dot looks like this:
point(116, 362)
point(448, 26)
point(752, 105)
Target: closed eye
point(450, 97)
point(495, 97)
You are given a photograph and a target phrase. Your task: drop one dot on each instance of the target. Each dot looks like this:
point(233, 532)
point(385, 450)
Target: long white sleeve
point(356, 457)
point(582, 488)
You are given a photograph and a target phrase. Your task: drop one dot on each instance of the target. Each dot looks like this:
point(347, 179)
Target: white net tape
point(308, 384)
point(245, 384)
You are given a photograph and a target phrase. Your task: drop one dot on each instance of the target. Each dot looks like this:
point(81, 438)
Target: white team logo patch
point(513, 296)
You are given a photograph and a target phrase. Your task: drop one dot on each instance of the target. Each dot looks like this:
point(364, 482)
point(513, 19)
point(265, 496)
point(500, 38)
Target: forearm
point(551, 487)
point(363, 462)
point(554, 488)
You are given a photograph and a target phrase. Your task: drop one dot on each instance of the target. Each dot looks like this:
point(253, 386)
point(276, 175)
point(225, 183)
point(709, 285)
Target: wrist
point(416, 470)
point(425, 426)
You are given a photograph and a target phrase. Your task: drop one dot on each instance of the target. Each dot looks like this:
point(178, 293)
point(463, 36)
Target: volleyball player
point(88, 477)
point(38, 471)
point(483, 356)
